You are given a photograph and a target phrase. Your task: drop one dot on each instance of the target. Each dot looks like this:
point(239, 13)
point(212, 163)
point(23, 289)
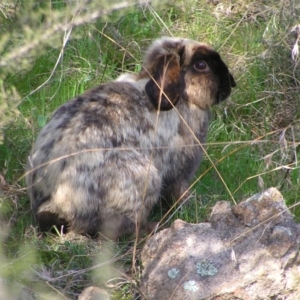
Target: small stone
point(94, 293)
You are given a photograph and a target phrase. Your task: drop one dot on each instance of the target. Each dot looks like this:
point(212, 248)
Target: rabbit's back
point(97, 158)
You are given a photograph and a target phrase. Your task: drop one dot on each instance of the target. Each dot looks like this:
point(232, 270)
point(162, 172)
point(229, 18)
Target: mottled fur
point(107, 156)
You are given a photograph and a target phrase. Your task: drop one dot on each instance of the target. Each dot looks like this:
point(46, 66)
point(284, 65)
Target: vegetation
point(51, 51)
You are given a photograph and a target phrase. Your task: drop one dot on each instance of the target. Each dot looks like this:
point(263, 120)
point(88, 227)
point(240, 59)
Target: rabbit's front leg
point(174, 193)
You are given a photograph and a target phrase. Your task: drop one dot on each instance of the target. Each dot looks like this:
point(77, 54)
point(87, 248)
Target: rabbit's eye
point(200, 65)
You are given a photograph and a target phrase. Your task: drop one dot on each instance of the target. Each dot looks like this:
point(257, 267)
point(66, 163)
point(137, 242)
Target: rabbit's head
point(185, 70)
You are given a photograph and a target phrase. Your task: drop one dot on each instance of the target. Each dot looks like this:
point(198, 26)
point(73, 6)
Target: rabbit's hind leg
point(133, 188)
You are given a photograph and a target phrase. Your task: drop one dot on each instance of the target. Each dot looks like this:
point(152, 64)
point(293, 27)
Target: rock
point(94, 293)
point(246, 251)
point(26, 294)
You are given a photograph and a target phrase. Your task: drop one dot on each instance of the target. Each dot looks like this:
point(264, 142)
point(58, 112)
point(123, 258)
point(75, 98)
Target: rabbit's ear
point(165, 87)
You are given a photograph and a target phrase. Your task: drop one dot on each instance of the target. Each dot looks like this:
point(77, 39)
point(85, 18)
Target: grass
point(253, 140)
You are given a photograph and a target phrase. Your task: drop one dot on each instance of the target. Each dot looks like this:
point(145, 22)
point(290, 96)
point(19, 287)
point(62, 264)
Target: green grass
point(253, 136)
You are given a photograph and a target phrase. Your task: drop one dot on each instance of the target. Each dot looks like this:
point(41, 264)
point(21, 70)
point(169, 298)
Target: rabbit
point(109, 155)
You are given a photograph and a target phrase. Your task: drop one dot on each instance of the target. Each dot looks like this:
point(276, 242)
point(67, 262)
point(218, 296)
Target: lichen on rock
point(206, 268)
point(172, 273)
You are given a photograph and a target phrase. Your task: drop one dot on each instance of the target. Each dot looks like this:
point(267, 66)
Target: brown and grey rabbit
point(106, 157)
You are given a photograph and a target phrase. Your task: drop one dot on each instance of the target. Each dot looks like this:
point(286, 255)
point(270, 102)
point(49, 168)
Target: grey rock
point(94, 293)
point(245, 251)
